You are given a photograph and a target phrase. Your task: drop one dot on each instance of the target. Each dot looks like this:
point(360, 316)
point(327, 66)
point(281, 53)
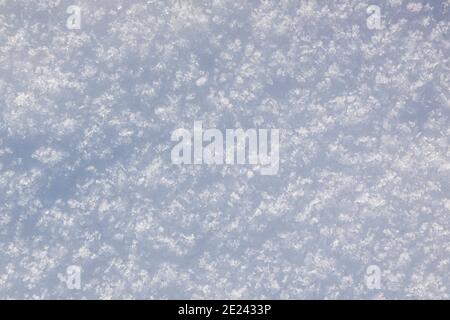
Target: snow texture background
point(86, 177)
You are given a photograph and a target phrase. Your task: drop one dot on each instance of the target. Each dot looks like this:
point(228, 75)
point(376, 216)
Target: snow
point(86, 177)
